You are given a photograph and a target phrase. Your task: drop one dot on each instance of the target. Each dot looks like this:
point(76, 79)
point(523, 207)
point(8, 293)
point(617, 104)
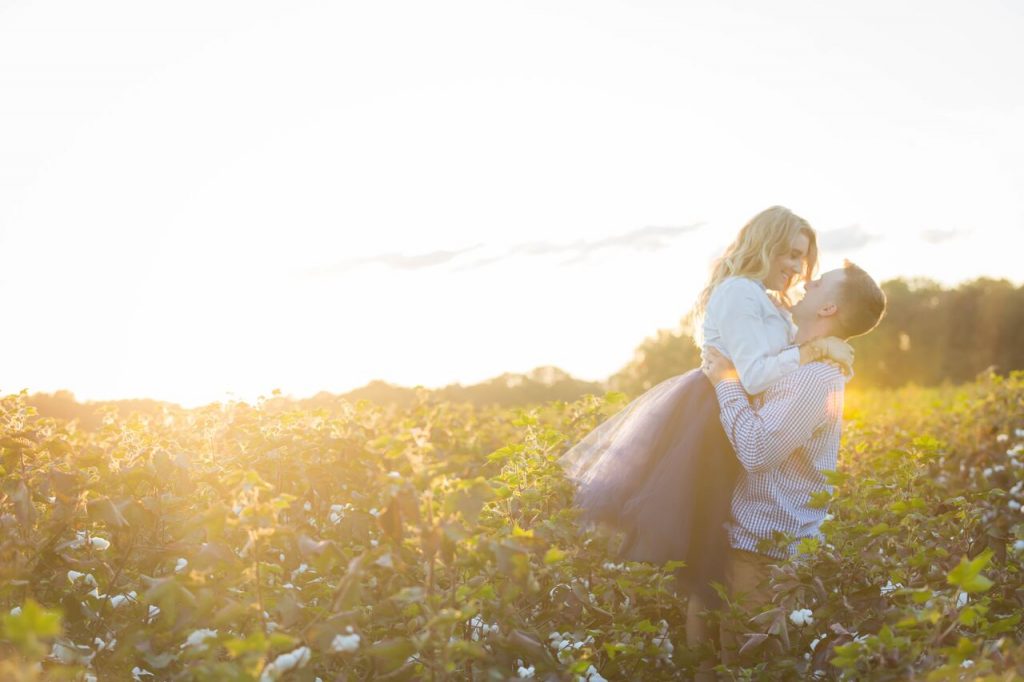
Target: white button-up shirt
point(756, 334)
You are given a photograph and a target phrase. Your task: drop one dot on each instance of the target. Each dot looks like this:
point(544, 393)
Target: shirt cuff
point(790, 358)
point(730, 389)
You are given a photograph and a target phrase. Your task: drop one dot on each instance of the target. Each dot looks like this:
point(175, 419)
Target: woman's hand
point(829, 348)
point(718, 368)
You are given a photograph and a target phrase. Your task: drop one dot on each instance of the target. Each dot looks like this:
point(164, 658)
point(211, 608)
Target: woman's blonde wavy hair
point(765, 236)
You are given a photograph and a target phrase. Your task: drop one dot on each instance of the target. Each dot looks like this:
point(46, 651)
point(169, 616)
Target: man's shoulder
point(814, 374)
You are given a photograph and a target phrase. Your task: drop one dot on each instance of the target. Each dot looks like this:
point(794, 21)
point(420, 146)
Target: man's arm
point(791, 411)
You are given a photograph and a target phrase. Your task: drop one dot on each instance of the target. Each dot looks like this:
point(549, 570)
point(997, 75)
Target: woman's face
point(787, 265)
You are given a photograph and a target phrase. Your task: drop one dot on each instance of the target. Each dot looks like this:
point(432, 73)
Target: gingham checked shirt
point(784, 438)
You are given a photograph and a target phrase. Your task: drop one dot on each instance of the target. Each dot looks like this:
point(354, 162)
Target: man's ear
point(828, 310)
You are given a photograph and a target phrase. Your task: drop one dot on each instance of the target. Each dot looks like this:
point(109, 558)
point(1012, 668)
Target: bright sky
point(204, 199)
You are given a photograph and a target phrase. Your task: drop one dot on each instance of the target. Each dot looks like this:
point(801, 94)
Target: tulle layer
point(662, 471)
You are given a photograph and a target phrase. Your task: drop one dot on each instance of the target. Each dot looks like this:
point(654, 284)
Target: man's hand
point(828, 349)
point(717, 367)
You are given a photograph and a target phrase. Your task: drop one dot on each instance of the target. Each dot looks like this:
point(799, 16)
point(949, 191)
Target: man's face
point(821, 297)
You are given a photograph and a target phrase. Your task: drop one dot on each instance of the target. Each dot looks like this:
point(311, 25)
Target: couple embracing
point(708, 466)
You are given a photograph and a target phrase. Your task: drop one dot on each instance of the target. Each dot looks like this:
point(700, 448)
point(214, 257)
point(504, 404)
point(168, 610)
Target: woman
point(662, 469)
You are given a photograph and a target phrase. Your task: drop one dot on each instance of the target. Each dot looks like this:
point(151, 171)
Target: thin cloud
point(848, 238)
point(940, 236)
point(396, 261)
point(650, 238)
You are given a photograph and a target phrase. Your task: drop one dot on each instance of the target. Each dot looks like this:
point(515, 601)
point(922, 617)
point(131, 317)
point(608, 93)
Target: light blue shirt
point(756, 334)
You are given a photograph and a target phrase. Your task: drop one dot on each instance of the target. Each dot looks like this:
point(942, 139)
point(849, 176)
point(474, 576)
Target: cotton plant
point(347, 642)
point(591, 675)
point(197, 639)
point(801, 617)
point(565, 644)
point(84, 539)
point(285, 663)
point(664, 644)
point(524, 671)
point(479, 629)
point(889, 588)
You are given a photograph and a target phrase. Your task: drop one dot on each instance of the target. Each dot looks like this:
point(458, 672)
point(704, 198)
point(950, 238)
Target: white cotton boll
point(961, 599)
point(374, 542)
point(1018, 546)
point(62, 653)
point(138, 673)
point(198, 638)
point(71, 653)
point(394, 475)
point(83, 578)
point(89, 677)
point(801, 617)
point(99, 543)
point(1002, 438)
point(525, 672)
point(345, 643)
point(16, 611)
point(307, 506)
point(152, 613)
point(662, 641)
point(890, 587)
point(181, 565)
point(1014, 505)
point(967, 663)
point(119, 600)
point(385, 561)
point(986, 472)
point(374, 512)
point(285, 662)
point(594, 676)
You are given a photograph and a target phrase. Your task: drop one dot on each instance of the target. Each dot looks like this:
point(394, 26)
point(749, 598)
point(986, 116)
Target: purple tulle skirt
point(662, 471)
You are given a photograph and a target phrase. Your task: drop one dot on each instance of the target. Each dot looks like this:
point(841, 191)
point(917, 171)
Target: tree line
point(929, 335)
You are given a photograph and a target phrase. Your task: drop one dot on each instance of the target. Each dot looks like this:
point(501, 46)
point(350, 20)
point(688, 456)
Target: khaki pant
point(747, 582)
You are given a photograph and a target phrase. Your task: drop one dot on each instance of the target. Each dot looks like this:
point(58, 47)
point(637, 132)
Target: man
point(785, 436)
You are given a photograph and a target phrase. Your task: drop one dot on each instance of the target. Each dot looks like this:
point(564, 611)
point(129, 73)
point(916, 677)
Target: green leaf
point(835, 478)
point(27, 628)
point(554, 555)
point(103, 509)
point(819, 500)
point(972, 614)
point(967, 575)
point(391, 654)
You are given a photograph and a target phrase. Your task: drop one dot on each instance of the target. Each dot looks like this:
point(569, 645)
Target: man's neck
point(808, 331)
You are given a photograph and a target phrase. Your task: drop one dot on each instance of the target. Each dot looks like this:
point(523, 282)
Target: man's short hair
point(861, 303)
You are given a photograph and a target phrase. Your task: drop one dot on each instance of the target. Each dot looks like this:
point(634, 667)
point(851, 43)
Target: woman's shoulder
point(738, 286)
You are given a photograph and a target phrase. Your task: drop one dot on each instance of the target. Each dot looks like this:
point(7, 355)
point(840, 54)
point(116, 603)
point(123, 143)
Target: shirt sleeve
point(790, 412)
point(744, 339)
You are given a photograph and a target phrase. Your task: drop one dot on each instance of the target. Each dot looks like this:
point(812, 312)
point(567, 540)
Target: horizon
point(216, 199)
point(277, 393)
